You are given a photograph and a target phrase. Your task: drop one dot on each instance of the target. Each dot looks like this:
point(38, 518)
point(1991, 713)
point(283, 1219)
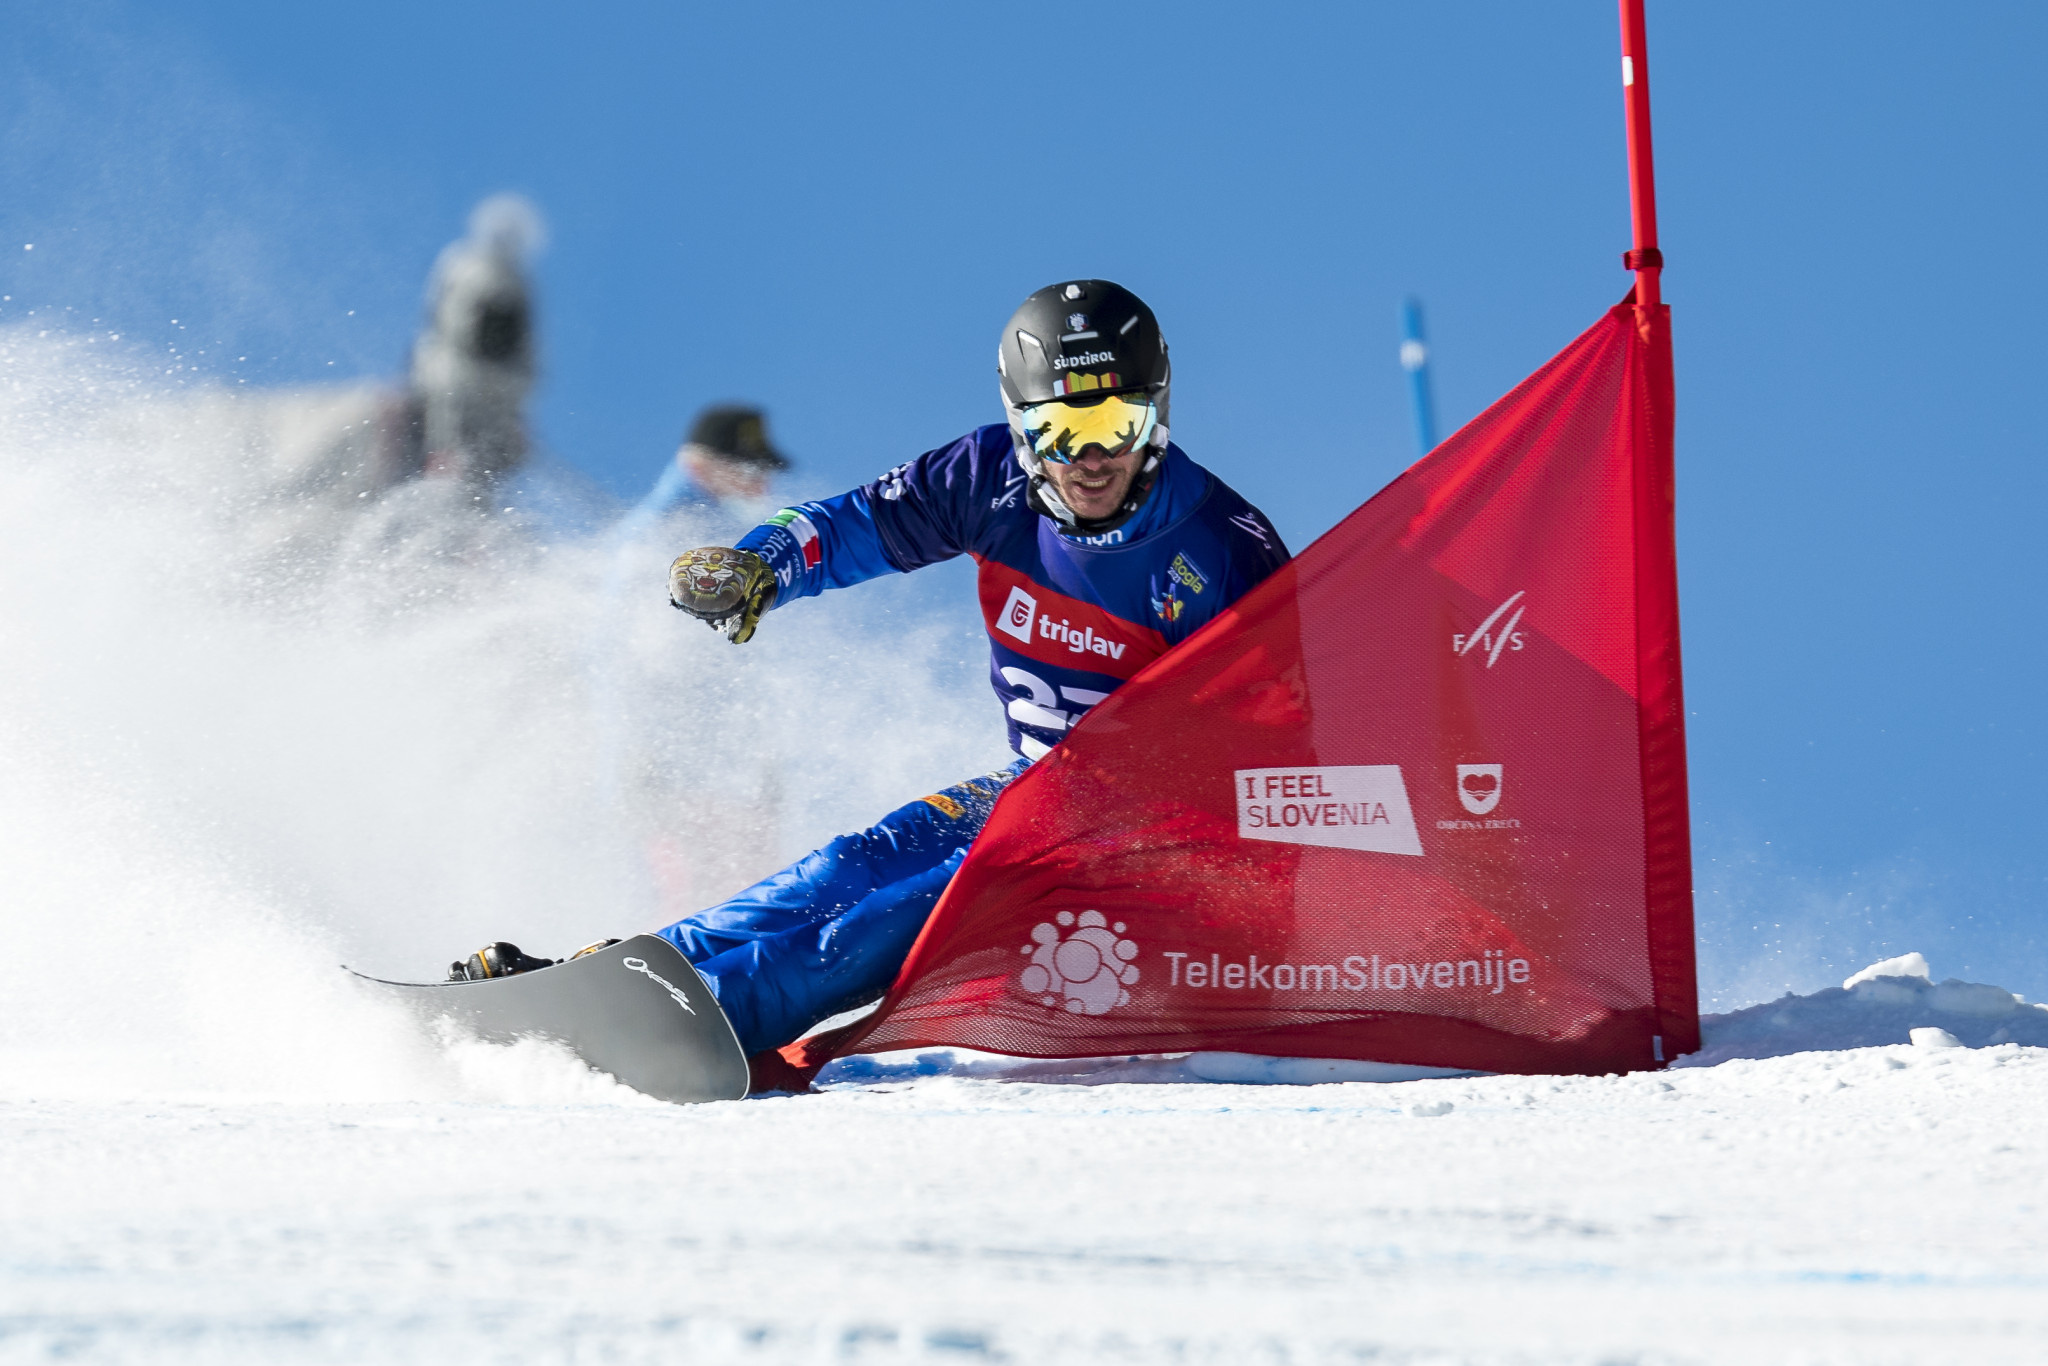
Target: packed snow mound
point(1892, 1002)
point(1900, 1005)
point(1905, 965)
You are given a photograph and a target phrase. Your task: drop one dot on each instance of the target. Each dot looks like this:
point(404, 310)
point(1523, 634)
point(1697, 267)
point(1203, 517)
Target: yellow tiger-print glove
point(726, 588)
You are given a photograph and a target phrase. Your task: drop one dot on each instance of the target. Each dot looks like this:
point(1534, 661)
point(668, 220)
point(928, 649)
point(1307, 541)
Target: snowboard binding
point(495, 960)
point(507, 960)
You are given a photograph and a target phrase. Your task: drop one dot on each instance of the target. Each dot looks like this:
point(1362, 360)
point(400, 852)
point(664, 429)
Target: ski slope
point(1870, 1205)
point(245, 736)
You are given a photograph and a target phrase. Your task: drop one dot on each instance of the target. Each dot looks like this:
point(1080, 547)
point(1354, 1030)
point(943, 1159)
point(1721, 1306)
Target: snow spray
point(251, 729)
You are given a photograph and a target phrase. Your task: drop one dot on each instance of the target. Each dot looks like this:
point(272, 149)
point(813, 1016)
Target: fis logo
point(1494, 635)
point(1250, 525)
point(1018, 614)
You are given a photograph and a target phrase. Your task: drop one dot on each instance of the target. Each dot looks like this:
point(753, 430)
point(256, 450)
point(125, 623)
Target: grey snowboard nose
point(636, 1009)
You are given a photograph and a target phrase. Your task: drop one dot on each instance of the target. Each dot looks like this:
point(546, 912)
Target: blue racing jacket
point(1069, 618)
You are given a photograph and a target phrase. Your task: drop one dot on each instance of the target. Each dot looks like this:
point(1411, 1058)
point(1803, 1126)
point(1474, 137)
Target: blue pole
point(1415, 360)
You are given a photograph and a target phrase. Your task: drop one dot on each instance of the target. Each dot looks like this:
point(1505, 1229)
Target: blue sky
point(812, 206)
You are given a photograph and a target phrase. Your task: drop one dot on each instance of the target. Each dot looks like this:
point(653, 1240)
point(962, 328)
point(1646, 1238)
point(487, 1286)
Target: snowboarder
point(1101, 546)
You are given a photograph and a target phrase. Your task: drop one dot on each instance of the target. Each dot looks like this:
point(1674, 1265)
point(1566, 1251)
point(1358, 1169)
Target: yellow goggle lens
point(1062, 430)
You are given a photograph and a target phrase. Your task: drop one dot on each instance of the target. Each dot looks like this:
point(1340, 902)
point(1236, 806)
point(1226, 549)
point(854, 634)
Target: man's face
point(1095, 485)
point(725, 478)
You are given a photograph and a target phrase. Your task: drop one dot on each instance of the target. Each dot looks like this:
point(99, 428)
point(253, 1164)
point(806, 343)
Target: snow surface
point(244, 735)
point(1873, 1205)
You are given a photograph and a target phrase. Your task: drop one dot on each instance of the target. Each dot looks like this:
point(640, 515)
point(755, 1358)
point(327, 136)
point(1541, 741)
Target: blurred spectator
point(725, 458)
point(473, 362)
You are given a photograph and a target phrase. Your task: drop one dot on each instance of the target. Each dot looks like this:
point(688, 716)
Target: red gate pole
point(1645, 260)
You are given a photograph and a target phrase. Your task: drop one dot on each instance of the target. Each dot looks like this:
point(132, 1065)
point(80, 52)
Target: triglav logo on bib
point(1018, 614)
point(1479, 787)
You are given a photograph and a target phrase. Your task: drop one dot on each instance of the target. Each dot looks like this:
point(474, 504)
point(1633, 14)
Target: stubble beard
point(1091, 505)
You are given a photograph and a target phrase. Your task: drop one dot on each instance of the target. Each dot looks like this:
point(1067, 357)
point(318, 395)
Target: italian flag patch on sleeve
point(806, 535)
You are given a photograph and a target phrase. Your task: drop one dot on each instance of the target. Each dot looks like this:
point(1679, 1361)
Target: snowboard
point(637, 1010)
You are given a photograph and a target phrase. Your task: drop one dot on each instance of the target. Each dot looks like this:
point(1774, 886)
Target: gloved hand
point(730, 589)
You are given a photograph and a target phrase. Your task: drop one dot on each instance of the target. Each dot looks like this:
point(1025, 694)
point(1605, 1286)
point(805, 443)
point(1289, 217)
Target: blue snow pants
point(830, 931)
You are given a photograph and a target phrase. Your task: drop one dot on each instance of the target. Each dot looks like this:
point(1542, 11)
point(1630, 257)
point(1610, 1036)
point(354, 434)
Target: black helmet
point(1081, 338)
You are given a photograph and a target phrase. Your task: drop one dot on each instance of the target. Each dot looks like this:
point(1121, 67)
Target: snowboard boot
point(495, 960)
point(592, 948)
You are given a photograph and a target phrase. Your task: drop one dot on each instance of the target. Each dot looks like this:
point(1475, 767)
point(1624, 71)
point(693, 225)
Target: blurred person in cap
point(725, 459)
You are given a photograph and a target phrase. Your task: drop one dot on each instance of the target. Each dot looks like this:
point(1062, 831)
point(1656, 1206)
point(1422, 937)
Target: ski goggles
point(1062, 429)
